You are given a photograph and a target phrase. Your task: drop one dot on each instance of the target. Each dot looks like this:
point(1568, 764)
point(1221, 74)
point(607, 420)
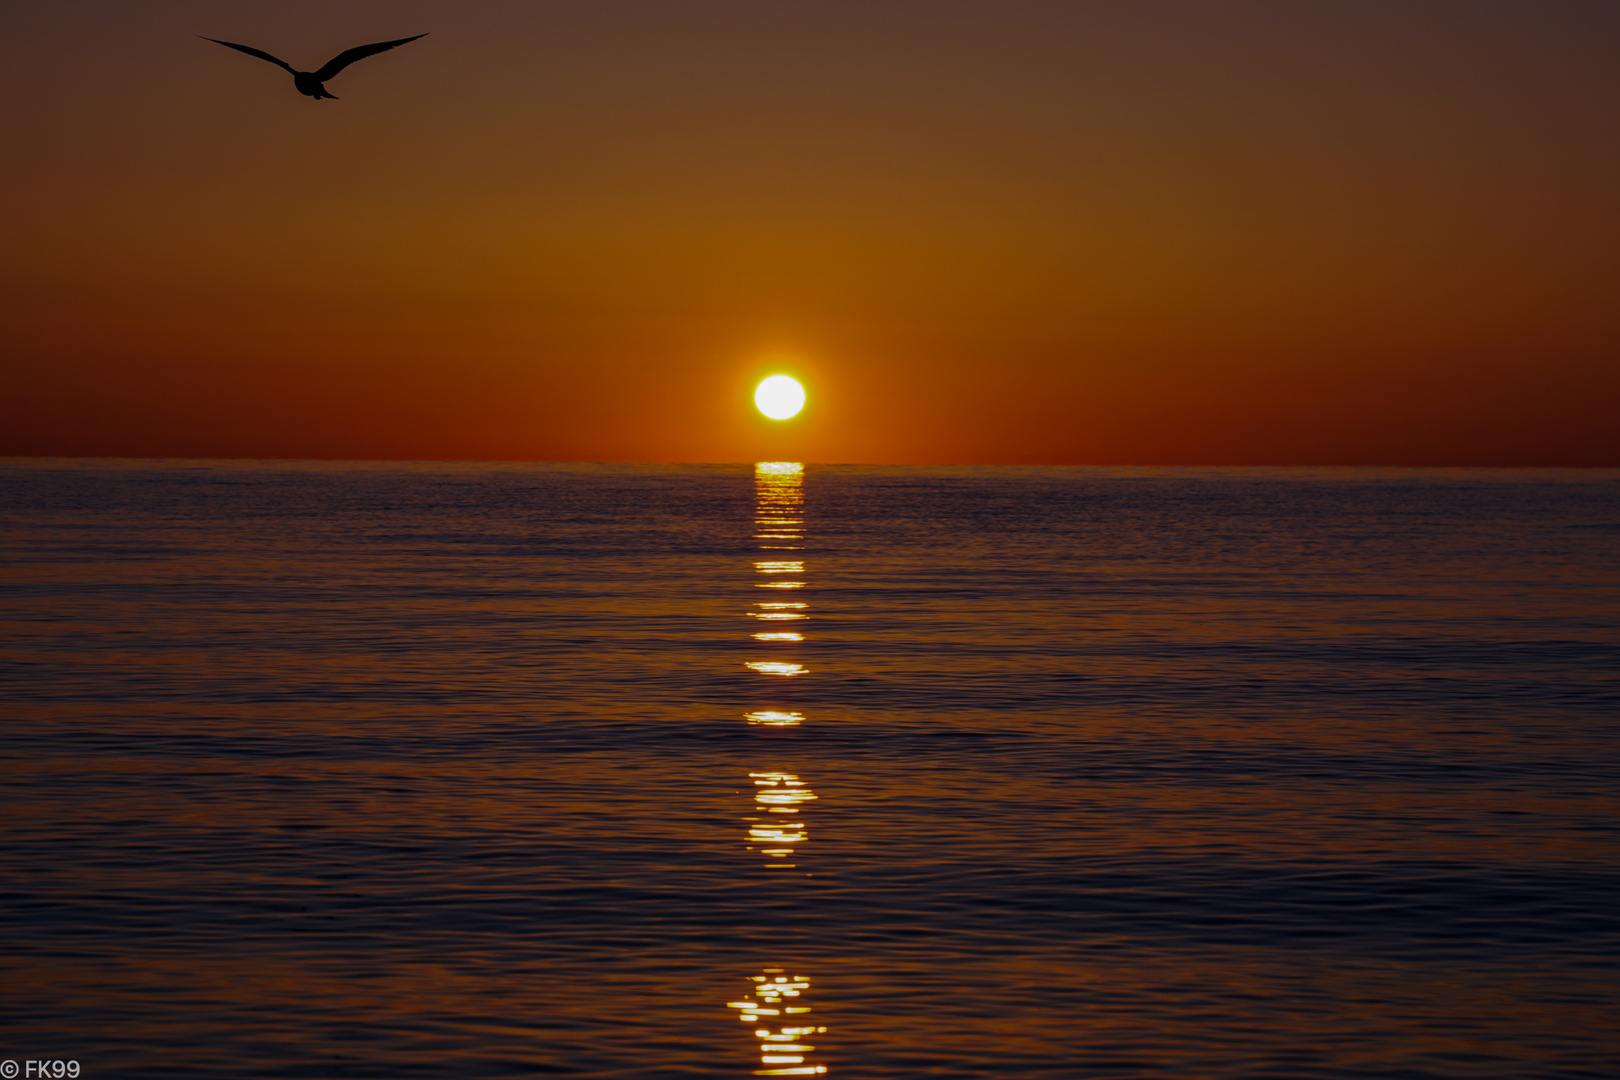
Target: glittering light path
point(778, 828)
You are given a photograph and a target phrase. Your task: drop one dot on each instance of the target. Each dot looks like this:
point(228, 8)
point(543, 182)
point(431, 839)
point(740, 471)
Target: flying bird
point(309, 82)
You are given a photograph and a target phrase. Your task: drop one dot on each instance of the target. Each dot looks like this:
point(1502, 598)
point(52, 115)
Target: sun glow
point(779, 397)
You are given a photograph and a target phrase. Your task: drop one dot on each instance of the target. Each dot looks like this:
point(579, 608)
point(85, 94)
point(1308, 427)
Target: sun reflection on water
point(775, 718)
point(778, 1007)
point(779, 609)
point(777, 667)
point(779, 519)
point(778, 505)
point(776, 835)
point(778, 828)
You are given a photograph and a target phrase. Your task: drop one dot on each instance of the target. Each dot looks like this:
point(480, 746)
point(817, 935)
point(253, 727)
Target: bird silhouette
point(309, 82)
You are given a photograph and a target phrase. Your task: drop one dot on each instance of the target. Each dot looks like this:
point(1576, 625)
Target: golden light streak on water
point(773, 718)
point(774, 667)
point(783, 1050)
point(778, 829)
point(779, 825)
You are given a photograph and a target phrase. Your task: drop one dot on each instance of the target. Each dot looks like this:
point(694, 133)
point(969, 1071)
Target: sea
point(317, 769)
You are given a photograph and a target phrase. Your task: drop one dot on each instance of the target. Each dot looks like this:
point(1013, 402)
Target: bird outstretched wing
point(252, 52)
point(359, 52)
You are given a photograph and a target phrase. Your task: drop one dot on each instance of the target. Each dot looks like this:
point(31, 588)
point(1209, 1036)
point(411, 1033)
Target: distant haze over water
point(325, 769)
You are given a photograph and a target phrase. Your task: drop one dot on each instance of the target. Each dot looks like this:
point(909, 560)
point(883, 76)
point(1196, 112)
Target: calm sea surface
point(328, 770)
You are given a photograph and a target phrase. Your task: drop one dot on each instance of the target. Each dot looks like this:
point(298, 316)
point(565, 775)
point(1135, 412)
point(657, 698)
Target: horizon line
point(1433, 467)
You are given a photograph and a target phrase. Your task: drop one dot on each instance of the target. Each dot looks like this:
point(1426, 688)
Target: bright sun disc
point(779, 397)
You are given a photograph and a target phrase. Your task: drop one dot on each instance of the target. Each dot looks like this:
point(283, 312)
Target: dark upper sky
point(1135, 232)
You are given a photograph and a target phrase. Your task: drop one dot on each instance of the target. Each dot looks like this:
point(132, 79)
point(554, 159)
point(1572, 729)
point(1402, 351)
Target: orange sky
point(1124, 233)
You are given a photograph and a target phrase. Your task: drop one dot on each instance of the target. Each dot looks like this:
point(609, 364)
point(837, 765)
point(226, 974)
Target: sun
point(779, 397)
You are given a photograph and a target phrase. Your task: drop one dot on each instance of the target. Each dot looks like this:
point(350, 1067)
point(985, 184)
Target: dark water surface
point(460, 771)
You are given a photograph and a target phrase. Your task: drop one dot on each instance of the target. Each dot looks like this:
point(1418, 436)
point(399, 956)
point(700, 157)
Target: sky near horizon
point(1286, 233)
